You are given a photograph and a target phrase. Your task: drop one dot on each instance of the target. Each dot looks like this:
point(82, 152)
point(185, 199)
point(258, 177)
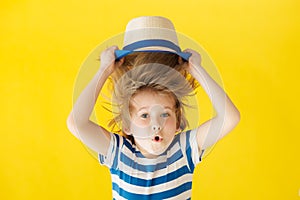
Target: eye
point(144, 115)
point(165, 115)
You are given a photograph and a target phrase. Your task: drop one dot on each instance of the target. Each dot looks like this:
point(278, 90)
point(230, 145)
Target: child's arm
point(91, 134)
point(227, 115)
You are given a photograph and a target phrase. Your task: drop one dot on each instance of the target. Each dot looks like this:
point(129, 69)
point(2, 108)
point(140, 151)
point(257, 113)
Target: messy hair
point(161, 73)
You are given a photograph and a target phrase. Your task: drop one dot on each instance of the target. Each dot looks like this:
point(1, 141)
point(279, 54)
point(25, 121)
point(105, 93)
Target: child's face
point(153, 122)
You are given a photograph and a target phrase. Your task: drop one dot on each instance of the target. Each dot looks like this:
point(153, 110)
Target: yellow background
point(254, 44)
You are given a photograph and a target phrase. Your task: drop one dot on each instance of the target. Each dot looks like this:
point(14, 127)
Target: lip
point(157, 138)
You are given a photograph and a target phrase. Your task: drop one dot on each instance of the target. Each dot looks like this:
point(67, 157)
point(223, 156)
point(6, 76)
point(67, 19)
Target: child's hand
point(107, 58)
point(194, 60)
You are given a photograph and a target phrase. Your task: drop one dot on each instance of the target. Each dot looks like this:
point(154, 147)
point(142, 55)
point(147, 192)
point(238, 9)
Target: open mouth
point(157, 138)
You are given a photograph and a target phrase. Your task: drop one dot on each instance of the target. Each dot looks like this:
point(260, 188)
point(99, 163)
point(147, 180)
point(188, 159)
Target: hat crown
point(149, 22)
point(150, 28)
point(150, 34)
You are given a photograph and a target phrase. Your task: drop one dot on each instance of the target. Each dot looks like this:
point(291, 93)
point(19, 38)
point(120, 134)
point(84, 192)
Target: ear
point(127, 131)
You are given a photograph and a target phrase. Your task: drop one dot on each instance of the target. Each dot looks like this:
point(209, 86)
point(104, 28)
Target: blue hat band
point(150, 43)
point(128, 49)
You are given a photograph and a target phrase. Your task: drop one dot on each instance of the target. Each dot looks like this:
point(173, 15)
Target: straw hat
point(150, 34)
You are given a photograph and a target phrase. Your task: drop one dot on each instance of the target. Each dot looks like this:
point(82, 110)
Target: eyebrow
point(145, 107)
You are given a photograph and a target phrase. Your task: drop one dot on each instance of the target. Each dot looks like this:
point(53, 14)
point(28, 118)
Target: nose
point(156, 120)
point(156, 127)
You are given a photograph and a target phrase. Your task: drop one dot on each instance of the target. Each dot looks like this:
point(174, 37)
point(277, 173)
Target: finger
point(188, 51)
point(180, 61)
point(185, 65)
point(120, 62)
point(114, 47)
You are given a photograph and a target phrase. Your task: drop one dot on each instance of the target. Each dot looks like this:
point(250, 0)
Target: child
point(152, 158)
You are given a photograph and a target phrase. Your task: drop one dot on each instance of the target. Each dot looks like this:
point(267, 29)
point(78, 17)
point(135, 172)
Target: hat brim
point(122, 53)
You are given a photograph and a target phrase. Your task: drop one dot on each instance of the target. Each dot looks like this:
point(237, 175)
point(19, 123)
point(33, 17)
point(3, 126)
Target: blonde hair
point(161, 73)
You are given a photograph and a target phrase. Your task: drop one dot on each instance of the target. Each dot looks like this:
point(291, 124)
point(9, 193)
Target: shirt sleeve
point(189, 143)
point(110, 160)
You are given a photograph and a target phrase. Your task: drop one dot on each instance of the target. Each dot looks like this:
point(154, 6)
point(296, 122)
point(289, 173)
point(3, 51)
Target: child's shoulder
point(120, 140)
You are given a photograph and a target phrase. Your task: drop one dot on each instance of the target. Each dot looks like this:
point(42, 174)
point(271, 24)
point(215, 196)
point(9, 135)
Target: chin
point(159, 151)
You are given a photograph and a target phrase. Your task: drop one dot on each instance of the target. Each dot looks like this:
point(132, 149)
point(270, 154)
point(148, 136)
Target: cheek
point(171, 123)
point(140, 131)
point(141, 123)
point(138, 128)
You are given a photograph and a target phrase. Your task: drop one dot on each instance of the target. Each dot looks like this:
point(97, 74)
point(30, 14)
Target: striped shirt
point(168, 176)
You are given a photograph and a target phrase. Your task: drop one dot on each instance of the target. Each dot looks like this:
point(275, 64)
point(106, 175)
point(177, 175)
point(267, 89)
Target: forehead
point(147, 98)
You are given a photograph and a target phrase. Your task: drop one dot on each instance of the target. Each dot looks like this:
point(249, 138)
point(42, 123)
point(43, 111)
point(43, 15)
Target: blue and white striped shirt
point(168, 176)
